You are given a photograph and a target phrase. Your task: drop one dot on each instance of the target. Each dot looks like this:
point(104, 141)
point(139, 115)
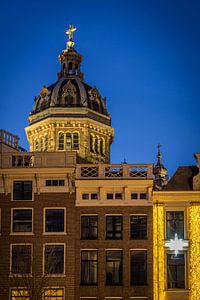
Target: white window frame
point(21, 232)
point(44, 221)
point(90, 193)
point(114, 198)
point(12, 193)
point(171, 209)
point(43, 260)
point(10, 269)
point(186, 259)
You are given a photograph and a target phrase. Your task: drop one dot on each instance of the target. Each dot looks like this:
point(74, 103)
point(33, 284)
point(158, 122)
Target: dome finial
point(70, 42)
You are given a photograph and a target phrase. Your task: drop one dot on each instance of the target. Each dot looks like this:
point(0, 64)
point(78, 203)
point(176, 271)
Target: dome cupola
point(73, 110)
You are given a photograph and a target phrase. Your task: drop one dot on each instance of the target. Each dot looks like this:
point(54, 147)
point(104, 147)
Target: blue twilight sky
point(143, 55)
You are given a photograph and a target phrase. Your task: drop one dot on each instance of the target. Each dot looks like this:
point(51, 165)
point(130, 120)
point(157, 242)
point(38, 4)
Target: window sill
point(114, 284)
point(89, 239)
point(88, 284)
point(22, 233)
point(55, 233)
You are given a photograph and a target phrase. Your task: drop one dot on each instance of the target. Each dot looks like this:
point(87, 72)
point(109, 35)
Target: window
point(139, 267)
point(96, 144)
point(138, 225)
point(54, 220)
point(54, 259)
point(36, 145)
point(143, 196)
point(176, 271)
point(68, 141)
point(21, 259)
point(102, 147)
point(91, 143)
point(89, 267)
point(55, 182)
point(22, 190)
point(114, 267)
point(20, 294)
point(75, 141)
point(22, 220)
point(113, 227)
point(134, 196)
point(54, 294)
point(89, 227)
point(92, 196)
point(61, 141)
point(116, 196)
point(45, 142)
point(41, 144)
point(174, 224)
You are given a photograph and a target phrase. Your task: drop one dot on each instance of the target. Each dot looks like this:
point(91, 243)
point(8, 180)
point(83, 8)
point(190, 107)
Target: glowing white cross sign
point(176, 244)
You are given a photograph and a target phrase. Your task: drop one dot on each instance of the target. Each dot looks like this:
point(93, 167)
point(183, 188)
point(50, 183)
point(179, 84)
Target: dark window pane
point(22, 220)
point(55, 182)
point(176, 271)
point(89, 227)
point(85, 196)
point(175, 224)
point(21, 259)
point(118, 196)
point(114, 227)
point(54, 259)
point(134, 196)
point(22, 190)
point(138, 267)
point(109, 196)
point(143, 196)
point(94, 196)
point(114, 267)
point(54, 220)
point(89, 267)
point(138, 227)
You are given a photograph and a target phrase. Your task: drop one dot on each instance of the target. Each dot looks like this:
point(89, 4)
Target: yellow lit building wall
point(158, 252)
point(194, 252)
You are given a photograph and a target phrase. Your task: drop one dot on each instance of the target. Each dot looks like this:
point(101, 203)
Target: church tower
point(70, 114)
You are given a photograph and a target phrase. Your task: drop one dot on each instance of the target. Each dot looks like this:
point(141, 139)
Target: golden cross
point(70, 32)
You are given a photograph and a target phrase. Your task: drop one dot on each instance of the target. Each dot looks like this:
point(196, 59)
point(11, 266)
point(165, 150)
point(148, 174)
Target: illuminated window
point(20, 294)
point(68, 141)
point(102, 146)
point(176, 271)
point(45, 142)
point(174, 224)
point(89, 265)
point(96, 144)
point(114, 267)
point(21, 259)
point(36, 145)
point(54, 220)
point(61, 141)
point(138, 226)
point(91, 143)
point(113, 227)
point(54, 294)
point(54, 259)
point(138, 267)
point(75, 141)
point(89, 227)
point(41, 144)
point(22, 190)
point(22, 220)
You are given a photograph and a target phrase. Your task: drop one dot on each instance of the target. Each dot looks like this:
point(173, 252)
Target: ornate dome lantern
point(70, 113)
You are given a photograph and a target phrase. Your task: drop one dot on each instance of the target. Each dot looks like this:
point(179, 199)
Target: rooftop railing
point(115, 171)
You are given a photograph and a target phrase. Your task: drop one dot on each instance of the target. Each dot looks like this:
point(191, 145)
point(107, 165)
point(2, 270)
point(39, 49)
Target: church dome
point(70, 91)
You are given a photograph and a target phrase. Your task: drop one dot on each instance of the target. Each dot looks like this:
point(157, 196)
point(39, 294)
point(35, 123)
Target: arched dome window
point(102, 146)
point(97, 144)
point(36, 145)
point(61, 141)
point(75, 141)
point(91, 143)
point(68, 141)
point(70, 68)
point(41, 146)
point(45, 142)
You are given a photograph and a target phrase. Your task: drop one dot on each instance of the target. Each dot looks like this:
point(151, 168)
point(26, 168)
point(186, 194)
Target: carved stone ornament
point(69, 89)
